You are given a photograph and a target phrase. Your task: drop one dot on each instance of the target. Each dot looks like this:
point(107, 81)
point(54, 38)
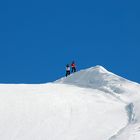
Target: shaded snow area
point(92, 104)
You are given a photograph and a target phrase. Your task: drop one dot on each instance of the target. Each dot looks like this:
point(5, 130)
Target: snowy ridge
point(99, 78)
point(92, 104)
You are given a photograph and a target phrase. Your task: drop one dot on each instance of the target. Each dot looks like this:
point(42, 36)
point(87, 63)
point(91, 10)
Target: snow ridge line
point(131, 120)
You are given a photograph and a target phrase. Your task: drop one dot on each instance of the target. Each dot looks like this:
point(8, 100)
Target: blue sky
point(39, 37)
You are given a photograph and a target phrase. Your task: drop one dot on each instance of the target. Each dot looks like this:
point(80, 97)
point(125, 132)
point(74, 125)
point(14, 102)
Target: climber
point(73, 66)
point(67, 70)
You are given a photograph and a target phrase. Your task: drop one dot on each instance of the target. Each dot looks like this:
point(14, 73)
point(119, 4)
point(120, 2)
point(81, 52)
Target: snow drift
point(92, 104)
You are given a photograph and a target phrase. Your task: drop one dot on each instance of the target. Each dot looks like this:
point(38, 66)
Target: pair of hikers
point(73, 68)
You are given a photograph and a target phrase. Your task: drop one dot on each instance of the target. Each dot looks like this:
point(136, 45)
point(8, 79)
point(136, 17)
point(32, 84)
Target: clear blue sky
point(39, 37)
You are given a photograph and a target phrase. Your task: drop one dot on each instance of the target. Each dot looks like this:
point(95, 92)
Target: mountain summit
point(98, 78)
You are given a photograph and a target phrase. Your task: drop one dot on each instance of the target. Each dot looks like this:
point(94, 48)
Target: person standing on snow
point(67, 70)
point(73, 66)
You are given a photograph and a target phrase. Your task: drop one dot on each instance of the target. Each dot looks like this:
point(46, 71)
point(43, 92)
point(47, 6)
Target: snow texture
point(92, 104)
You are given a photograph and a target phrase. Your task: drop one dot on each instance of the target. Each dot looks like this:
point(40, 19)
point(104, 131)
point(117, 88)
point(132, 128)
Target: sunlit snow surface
point(92, 104)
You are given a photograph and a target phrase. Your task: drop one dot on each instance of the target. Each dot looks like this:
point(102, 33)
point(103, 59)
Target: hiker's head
point(73, 62)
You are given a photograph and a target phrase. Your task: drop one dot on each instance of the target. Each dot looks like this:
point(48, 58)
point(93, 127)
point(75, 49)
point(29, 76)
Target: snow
point(99, 78)
point(92, 104)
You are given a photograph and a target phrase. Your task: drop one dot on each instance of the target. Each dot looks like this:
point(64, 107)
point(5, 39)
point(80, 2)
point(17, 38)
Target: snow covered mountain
point(92, 104)
point(101, 79)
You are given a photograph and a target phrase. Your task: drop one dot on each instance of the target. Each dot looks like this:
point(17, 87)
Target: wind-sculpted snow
point(92, 104)
point(98, 78)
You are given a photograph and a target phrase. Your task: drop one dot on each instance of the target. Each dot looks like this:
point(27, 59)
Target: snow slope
point(101, 79)
point(92, 104)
